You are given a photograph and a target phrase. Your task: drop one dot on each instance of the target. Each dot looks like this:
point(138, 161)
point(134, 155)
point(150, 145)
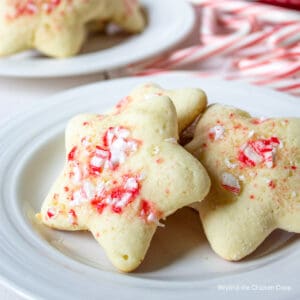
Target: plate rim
point(185, 31)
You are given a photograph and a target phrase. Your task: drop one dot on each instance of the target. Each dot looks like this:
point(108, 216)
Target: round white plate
point(40, 262)
point(169, 22)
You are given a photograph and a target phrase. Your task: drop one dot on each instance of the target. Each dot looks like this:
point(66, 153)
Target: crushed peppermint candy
point(131, 184)
point(259, 151)
point(272, 184)
point(123, 103)
point(268, 180)
point(119, 145)
point(149, 213)
point(230, 183)
point(71, 155)
point(72, 217)
point(116, 147)
point(51, 213)
point(217, 132)
point(259, 120)
point(152, 218)
point(88, 190)
point(33, 7)
point(85, 141)
point(99, 160)
point(76, 173)
point(118, 196)
point(79, 197)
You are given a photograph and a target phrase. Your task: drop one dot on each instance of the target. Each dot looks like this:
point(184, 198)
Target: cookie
point(58, 28)
point(123, 174)
point(189, 102)
point(254, 165)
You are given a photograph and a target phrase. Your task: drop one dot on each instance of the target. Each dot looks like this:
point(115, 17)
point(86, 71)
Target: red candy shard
point(232, 189)
point(50, 213)
point(99, 204)
point(73, 213)
point(123, 103)
point(217, 132)
point(149, 213)
point(261, 150)
point(71, 154)
point(159, 161)
point(72, 217)
point(51, 5)
point(145, 208)
point(119, 196)
point(259, 121)
point(272, 184)
point(32, 7)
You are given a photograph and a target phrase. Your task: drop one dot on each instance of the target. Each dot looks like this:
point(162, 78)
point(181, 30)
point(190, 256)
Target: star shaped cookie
point(58, 28)
point(189, 102)
point(254, 165)
point(123, 173)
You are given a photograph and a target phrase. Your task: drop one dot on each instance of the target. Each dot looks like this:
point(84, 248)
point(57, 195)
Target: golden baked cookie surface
point(254, 165)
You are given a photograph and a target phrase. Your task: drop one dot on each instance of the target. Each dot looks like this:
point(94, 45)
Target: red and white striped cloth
point(244, 40)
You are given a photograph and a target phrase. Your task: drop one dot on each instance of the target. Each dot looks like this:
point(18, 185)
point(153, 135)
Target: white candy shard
point(79, 198)
point(131, 184)
point(251, 154)
point(217, 132)
point(230, 183)
point(152, 218)
point(71, 217)
point(89, 190)
point(119, 146)
point(76, 174)
point(123, 201)
point(97, 161)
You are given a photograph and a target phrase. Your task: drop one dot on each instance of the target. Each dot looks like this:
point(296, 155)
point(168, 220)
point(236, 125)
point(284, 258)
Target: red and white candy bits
point(255, 42)
point(113, 149)
point(259, 151)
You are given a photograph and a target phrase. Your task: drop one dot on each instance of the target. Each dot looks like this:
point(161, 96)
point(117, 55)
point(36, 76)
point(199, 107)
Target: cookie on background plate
point(123, 173)
point(254, 165)
point(59, 28)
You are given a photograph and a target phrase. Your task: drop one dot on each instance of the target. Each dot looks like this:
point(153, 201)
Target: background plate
point(44, 263)
point(169, 22)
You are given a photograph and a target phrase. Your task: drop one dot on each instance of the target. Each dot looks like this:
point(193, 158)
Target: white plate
point(44, 263)
point(169, 22)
